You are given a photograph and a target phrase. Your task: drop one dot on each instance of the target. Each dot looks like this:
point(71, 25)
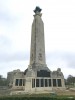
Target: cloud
point(70, 59)
point(10, 57)
point(62, 59)
point(15, 31)
point(19, 60)
point(4, 16)
point(5, 44)
point(6, 67)
point(4, 41)
point(7, 53)
point(5, 12)
point(8, 19)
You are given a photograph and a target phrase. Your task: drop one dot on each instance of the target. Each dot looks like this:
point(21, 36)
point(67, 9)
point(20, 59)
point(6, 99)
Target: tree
point(70, 80)
point(3, 81)
point(0, 76)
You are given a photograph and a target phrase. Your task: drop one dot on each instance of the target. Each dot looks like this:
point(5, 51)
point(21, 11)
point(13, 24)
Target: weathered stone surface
point(37, 77)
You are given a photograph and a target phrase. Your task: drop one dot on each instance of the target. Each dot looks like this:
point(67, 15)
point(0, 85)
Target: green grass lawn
point(38, 97)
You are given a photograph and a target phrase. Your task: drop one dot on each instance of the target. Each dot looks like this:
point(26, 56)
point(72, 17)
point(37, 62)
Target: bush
point(36, 98)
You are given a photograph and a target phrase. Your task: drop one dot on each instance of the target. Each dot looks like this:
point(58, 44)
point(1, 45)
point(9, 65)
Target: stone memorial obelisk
point(37, 78)
point(37, 53)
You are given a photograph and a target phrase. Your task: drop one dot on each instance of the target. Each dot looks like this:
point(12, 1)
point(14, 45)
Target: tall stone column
point(37, 52)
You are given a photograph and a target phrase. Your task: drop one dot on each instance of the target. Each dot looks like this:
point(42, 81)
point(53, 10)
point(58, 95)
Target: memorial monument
point(37, 78)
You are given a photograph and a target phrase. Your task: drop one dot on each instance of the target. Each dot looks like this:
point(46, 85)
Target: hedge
point(35, 98)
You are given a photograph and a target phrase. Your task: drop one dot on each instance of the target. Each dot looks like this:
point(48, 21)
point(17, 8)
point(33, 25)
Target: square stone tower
point(37, 77)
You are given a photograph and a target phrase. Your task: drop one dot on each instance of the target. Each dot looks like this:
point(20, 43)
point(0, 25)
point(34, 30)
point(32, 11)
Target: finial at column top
point(37, 9)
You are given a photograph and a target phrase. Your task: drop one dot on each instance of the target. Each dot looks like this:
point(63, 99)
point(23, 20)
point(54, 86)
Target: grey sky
point(16, 17)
